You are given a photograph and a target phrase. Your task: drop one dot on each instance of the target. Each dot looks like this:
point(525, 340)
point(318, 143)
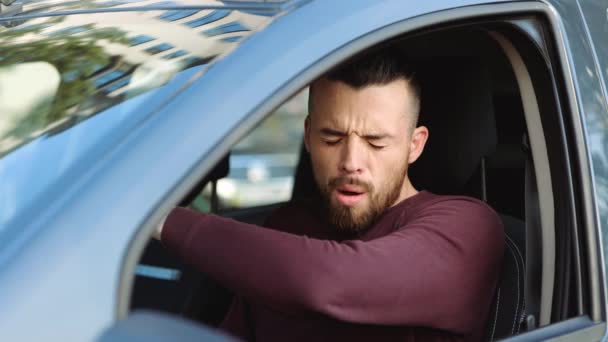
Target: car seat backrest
point(457, 107)
point(507, 313)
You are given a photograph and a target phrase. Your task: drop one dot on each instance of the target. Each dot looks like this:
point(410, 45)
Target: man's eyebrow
point(329, 131)
point(333, 132)
point(377, 136)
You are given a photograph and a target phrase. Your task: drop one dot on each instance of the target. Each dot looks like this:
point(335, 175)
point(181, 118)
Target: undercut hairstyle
point(378, 67)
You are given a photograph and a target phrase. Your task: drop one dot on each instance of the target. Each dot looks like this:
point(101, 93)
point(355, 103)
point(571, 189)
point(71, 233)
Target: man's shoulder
point(428, 200)
point(461, 201)
point(461, 212)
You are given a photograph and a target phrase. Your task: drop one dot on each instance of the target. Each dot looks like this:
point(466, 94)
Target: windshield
point(71, 86)
point(56, 71)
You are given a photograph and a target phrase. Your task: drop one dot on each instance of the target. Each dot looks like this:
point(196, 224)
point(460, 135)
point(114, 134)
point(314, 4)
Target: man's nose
point(351, 157)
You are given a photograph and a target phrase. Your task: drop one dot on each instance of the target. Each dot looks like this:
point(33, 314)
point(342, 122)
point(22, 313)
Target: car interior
point(477, 109)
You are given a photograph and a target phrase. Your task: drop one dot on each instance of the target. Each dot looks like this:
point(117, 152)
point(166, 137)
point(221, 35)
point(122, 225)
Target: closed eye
point(331, 142)
point(376, 147)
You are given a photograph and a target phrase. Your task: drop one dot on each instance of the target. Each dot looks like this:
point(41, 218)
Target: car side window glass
point(263, 163)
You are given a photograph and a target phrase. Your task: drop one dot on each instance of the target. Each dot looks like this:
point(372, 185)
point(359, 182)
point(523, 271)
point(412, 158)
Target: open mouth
point(349, 193)
point(349, 196)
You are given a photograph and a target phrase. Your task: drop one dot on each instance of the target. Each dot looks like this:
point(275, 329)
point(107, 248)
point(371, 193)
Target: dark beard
point(352, 221)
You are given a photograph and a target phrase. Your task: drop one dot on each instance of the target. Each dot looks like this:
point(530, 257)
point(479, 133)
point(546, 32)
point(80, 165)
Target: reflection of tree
point(76, 57)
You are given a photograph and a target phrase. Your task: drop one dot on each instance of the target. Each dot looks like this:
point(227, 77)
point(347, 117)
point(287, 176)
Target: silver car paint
point(593, 75)
point(590, 102)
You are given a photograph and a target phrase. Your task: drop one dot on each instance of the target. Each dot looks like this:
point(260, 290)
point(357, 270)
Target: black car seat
point(457, 108)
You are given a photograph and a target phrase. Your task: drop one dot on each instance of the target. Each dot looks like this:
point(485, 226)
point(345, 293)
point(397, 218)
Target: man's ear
point(307, 133)
point(417, 142)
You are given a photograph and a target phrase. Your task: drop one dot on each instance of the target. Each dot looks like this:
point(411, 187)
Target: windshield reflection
point(74, 85)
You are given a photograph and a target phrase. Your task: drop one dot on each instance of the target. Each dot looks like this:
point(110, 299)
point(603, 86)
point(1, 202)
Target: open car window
point(262, 164)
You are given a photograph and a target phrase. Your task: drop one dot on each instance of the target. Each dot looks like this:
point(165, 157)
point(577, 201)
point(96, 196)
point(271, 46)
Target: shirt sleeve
point(440, 271)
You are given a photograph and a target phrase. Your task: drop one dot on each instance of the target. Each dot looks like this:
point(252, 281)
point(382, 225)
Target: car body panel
point(589, 100)
point(595, 80)
point(83, 233)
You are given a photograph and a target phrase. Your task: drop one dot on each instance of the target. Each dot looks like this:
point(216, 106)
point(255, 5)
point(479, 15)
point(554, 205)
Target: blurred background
point(262, 165)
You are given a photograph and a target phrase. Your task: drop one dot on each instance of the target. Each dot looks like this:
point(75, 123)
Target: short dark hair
point(378, 67)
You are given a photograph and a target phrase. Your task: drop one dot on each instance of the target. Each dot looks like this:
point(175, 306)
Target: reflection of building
point(141, 50)
point(188, 36)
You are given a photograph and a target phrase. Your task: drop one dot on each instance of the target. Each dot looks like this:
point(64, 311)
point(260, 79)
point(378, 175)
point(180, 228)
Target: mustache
point(339, 181)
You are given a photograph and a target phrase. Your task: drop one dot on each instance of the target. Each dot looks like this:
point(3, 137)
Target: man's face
point(361, 143)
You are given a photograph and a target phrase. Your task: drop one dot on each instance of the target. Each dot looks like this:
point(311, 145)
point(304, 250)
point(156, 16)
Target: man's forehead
point(328, 96)
point(330, 91)
point(327, 83)
point(363, 127)
point(374, 127)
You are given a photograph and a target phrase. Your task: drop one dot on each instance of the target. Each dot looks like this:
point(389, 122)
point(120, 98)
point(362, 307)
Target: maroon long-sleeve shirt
point(426, 270)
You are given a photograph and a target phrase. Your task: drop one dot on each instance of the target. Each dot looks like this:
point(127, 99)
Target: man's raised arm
point(439, 271)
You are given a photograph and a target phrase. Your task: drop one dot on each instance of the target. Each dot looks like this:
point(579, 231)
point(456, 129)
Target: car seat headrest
point(457, 108)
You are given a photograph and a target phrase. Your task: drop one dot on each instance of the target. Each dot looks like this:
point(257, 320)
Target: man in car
point(372, 258)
